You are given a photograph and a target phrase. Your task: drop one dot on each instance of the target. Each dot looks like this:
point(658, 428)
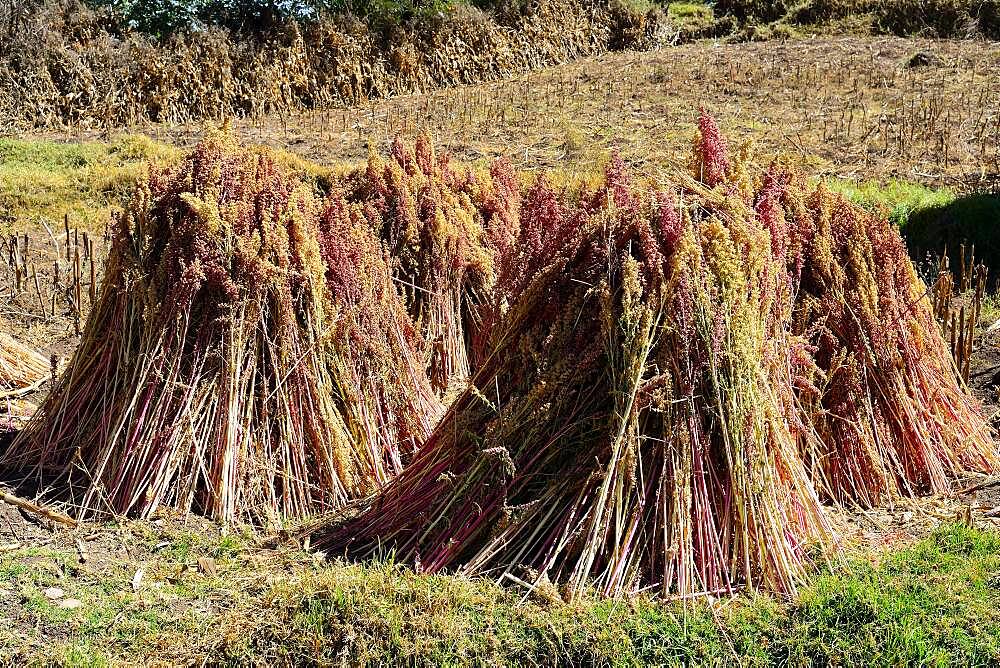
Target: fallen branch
point(47, 513)
point(13, 394)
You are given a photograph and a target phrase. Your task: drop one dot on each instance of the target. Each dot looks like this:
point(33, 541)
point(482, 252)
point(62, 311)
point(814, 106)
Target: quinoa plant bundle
point(621, 433)
point(436, 223)
point(874, 378)
point(20, 366)
point(660, 402)
point(247, 358)
point(892, 416)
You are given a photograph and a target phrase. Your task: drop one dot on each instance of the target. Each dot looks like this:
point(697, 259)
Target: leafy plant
point(162, 17)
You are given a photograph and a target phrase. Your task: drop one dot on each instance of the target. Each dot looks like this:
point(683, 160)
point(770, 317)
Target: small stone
point(924, 59)
point(54, 593)
point(70, 603)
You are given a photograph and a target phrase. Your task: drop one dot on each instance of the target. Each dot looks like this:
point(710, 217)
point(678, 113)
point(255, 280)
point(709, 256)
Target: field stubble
point(855, 108)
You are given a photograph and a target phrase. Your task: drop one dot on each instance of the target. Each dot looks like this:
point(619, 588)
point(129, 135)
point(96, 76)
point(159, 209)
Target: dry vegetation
point(933, 18)
point(844, 107)
point(21, 367)
point(181, 590)
point(277, 316)
point(65, 65)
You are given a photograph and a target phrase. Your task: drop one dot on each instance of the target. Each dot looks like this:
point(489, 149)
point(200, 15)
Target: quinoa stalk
point(247, 357)
point(20, 366)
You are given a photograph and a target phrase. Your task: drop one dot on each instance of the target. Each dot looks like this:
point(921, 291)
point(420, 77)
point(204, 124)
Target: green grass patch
point(693, 13)
point(927, 605)
point(896, 199)
point(933, 604)
point(43, 181)
point(930, 604)
point(692, 18)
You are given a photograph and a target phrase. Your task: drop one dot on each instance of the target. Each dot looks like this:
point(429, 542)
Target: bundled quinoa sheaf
point(649, 385)
point(672, 385)
point(248, 357)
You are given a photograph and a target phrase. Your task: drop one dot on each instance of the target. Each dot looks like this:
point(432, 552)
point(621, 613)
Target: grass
point(46, 180)
point(43, 181)
point(691, 17)
point(898, 199)
point(929, 604)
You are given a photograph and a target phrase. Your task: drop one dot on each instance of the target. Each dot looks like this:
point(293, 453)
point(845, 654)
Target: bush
point(936, 18)
point(754, 10)
point(161, 17)
point(14, 14)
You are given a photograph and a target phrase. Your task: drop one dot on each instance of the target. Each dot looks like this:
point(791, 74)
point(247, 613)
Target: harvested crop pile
point(443, 230)
point(651, 386)
point(20, 366)
point(891, 419)
point(248, 357)
point(672, 381)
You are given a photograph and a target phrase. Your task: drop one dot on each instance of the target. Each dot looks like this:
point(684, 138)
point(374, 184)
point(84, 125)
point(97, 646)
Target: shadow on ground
point(973, 220)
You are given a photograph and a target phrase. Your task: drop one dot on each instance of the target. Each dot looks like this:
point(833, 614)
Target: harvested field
point(846, 106)
point(545, 304)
